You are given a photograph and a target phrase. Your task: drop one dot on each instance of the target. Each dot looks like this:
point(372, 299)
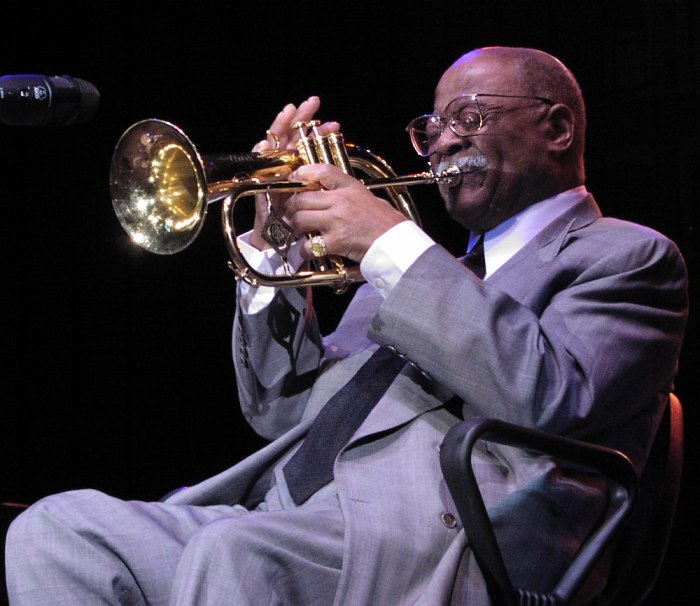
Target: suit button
point(448, 519)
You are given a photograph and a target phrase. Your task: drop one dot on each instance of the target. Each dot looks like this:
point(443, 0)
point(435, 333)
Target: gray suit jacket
point(579, 333)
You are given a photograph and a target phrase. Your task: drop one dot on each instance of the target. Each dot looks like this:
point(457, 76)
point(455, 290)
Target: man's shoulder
point(624, 227)
point(613, 232)
point(620, 245)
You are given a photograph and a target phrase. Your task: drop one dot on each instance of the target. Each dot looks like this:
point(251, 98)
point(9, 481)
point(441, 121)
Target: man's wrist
point(392, 254)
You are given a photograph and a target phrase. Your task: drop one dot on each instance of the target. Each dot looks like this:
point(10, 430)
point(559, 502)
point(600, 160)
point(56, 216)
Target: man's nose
point(449, 143)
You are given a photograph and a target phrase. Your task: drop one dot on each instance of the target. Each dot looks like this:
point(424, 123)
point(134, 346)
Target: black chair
point(637, 525)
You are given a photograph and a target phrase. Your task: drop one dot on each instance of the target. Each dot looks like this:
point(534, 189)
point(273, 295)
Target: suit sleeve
point(584, 343)
point(276, 354)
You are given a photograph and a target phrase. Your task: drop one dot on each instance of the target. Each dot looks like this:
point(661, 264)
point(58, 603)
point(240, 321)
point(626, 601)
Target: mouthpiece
point(451, 176)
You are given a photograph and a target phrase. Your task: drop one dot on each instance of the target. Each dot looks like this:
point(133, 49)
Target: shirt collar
point(506, 239)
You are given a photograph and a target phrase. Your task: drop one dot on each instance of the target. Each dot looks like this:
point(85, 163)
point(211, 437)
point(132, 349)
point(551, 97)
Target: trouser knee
point(29, 533)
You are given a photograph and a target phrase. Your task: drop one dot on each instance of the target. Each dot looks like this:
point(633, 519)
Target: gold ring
point(318, 246)
point(269, 133)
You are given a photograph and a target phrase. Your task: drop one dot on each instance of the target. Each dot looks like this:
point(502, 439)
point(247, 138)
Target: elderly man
point(571, 323)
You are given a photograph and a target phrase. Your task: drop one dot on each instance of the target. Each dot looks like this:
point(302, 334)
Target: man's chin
point(471, 211)
point(468, 195)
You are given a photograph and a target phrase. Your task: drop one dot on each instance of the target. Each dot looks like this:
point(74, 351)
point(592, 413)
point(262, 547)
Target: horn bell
point(158, 186)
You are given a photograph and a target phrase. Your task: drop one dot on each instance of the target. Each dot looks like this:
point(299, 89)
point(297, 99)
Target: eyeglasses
point(464, 115)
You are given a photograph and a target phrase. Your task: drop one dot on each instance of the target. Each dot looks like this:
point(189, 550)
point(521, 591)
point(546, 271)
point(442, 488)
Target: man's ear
point(561, 128)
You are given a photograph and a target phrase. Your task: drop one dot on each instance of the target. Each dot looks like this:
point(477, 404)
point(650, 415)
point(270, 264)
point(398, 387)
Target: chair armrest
point(455, 460)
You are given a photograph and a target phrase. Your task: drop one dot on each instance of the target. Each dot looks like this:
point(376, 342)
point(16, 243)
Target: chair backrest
point(635, 531)
point(645, 538)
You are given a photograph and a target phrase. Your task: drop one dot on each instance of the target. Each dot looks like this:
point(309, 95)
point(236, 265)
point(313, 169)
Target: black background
point(116, 363)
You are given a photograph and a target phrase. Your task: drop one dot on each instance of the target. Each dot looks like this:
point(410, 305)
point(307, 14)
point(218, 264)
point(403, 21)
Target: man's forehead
point(474, 73)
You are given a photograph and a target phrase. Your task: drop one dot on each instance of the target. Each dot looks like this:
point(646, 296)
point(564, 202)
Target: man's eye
point(433, 129)
point(467, 121)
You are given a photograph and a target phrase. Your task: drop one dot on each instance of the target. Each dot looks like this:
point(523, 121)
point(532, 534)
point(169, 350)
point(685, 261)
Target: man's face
point(505, 163)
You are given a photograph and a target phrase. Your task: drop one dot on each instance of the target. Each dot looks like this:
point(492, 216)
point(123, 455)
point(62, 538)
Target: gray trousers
point(84, 547)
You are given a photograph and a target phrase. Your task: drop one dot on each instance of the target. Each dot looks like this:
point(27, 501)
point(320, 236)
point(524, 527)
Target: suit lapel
point(545, 246)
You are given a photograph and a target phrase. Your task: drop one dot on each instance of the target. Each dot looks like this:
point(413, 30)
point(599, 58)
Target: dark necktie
point(311, 467)
point(475, 259)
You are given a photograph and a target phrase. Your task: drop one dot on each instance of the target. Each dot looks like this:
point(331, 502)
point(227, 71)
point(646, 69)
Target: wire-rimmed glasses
point(463, 115)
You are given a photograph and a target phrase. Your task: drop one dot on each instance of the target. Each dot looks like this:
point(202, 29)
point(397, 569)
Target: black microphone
point(35, 100)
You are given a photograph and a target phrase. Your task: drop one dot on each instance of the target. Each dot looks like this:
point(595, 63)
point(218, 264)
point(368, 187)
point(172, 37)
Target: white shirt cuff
point(253, 299)
point(392, 254)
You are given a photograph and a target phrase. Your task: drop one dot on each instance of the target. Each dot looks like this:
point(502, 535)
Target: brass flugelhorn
point(161, 187)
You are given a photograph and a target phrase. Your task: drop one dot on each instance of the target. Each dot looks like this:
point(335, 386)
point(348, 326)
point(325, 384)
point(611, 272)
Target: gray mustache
point(465, 164)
